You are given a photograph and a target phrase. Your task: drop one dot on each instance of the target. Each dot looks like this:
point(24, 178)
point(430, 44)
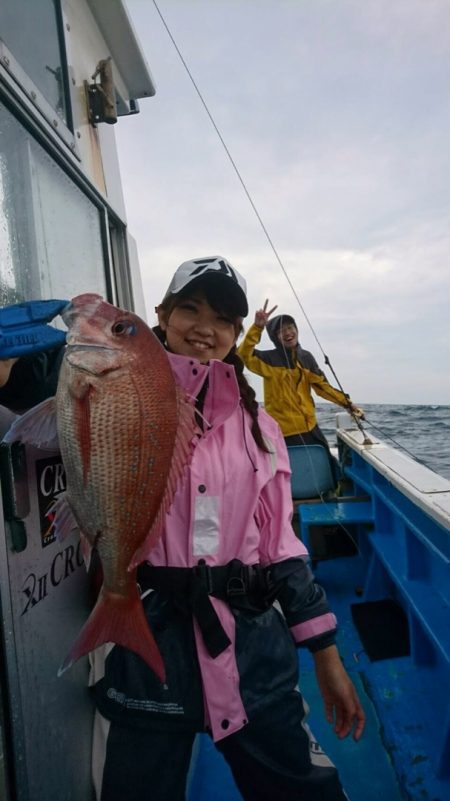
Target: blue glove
point(23, 328)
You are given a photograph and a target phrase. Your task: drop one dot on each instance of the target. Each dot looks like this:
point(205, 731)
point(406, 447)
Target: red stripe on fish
point(82, 419)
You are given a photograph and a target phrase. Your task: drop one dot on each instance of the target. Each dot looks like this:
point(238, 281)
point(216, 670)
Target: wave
point(420, 429)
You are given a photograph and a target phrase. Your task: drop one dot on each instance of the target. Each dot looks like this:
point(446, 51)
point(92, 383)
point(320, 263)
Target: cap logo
point(214, 265)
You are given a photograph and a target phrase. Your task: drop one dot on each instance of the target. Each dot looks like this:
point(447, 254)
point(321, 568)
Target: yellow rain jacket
point(287, 385)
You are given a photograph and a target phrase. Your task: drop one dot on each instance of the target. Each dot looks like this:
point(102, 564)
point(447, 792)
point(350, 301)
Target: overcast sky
point(337, 114)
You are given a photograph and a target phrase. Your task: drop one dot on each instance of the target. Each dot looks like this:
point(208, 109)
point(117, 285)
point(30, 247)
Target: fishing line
point(266, 233)
point(257, 214)
point(402, 447)
point(236, 169)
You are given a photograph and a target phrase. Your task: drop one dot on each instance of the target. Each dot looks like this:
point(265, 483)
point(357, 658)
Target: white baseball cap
point(214, 268)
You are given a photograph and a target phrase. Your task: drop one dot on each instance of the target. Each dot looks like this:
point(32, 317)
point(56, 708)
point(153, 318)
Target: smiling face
point(288, 335)
point(194, 328)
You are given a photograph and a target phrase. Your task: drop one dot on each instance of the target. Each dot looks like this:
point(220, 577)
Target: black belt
point(246, 587)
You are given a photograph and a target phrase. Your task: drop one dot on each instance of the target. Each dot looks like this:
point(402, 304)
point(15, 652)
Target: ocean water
point(423, 431)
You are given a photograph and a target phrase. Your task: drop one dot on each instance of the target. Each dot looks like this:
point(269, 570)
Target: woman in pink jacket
point(228, 551)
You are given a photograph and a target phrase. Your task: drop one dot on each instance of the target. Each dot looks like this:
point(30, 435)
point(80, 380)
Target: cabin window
point(39, 55)
point(51, 233)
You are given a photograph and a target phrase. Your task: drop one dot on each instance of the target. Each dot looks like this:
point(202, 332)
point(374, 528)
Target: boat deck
point(385, 688)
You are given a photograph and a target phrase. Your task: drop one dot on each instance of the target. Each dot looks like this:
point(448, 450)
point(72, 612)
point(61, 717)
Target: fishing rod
point(366, 440)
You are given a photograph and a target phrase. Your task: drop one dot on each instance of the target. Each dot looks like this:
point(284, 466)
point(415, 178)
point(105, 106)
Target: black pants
point(271, 760)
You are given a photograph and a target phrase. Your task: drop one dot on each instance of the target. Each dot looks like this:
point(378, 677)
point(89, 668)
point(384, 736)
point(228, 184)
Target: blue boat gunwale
point(409, 544)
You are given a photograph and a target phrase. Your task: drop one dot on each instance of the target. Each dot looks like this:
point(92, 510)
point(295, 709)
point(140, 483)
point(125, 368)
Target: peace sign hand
point(262, 315)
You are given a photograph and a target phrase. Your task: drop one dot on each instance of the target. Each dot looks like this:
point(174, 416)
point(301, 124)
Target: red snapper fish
point(124, 429)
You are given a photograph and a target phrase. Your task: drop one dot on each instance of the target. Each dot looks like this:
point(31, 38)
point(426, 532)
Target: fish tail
point(121, 620)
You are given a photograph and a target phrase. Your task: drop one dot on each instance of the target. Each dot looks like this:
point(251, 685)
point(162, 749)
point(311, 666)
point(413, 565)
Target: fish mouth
point(85, 345)
point(92, 358)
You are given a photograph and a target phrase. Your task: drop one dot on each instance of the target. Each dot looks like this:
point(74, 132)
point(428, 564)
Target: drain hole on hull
point(383, 629)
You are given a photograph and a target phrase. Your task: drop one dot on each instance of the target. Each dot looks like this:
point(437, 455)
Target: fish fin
point(61, 516)
point(121, 620)
point(182, 454)
point(36, 427)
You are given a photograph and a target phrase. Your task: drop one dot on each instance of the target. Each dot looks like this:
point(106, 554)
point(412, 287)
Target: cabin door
point(47, 721)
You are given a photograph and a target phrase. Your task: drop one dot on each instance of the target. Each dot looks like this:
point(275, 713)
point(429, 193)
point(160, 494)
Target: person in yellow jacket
point(289, 374)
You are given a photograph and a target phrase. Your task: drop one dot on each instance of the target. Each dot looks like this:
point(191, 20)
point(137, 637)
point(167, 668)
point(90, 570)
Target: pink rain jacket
point(235, 502)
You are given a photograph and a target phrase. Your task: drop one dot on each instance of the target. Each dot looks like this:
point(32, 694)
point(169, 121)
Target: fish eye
point(124, 328)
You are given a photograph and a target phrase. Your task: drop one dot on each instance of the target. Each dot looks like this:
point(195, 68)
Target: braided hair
point(222, 304)
point(248, 397)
